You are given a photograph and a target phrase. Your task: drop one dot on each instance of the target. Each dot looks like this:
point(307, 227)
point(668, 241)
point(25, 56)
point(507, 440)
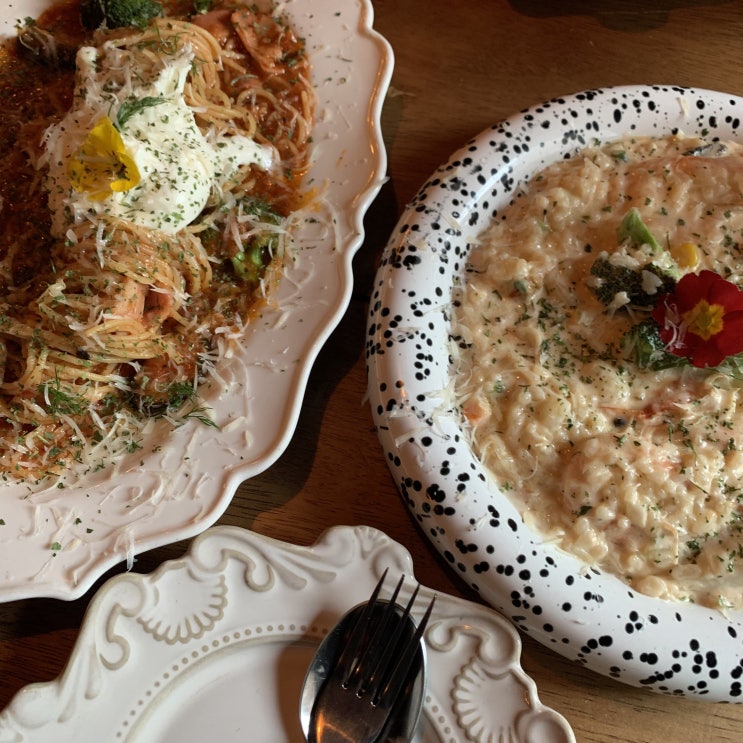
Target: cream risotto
point(597, 336)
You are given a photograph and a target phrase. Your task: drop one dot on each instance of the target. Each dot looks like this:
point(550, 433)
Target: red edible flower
point(702, 319)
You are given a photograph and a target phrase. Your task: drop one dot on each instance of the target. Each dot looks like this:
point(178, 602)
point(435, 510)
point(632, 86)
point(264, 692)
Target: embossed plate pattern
point(215, 646)
point(588, 616)
point(56, 542)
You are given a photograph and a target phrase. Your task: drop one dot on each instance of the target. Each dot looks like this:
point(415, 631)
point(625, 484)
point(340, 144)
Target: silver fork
point(362, 691)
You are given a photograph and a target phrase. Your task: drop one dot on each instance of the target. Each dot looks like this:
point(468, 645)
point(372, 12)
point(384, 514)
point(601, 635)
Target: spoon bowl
point(407, 711)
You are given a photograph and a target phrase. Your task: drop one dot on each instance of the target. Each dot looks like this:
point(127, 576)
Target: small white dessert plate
point(215, 646)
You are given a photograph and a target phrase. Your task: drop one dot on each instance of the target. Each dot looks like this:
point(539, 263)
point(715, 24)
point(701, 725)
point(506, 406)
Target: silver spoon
point(406, 713)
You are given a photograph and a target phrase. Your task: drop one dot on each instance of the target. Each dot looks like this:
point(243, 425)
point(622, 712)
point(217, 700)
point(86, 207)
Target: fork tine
point(391, 650)
point(397, 679)
point(375, 652)
point(349, 655)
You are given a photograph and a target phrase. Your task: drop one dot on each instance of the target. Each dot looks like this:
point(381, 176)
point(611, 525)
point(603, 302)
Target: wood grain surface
point(460, 67)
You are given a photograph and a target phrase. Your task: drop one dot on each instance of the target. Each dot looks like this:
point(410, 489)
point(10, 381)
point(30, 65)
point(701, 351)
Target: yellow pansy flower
point(103, 165)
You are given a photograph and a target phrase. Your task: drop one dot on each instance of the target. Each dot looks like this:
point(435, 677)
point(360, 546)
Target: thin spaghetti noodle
point(104, 318)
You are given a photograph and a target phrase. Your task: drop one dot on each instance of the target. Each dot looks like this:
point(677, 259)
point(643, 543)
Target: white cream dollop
point(178, 165)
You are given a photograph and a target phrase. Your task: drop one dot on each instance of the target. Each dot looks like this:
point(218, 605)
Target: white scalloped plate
point(582, 613)
point(215, 645)
point(182, 480)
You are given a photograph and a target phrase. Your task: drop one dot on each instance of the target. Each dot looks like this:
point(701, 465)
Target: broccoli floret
point(643, 344)
point(642, 286)
point(634, 229)
point(118, 13)
point(256, 253)
point(250, 262)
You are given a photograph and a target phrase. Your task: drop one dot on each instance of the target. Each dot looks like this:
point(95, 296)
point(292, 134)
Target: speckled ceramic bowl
point(582, 613)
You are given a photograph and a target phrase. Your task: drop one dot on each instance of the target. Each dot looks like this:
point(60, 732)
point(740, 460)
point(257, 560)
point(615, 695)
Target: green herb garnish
point(132, 106)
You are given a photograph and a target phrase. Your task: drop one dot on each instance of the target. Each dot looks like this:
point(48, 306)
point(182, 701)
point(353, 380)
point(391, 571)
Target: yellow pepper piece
point(686, 255)
point(103, 165)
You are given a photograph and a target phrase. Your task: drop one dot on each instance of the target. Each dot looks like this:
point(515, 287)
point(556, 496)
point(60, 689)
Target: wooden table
point(460, 67)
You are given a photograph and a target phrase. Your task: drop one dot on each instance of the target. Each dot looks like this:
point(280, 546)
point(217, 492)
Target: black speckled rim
point(582, 613)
